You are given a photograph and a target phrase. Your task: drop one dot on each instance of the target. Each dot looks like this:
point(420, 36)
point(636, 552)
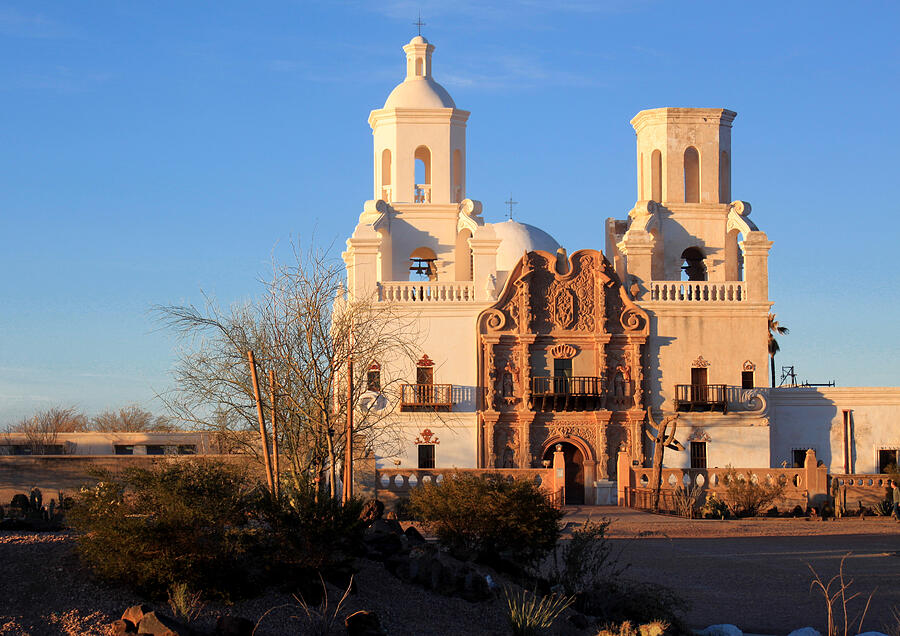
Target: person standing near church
point(895, 498)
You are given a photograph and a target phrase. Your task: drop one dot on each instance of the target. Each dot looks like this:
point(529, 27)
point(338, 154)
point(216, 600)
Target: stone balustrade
point(426, 292)
point(697, 292)
point(400, 481)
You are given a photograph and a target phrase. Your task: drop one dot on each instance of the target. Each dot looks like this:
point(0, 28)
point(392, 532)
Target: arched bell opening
point(693, 264)
point(422, 264)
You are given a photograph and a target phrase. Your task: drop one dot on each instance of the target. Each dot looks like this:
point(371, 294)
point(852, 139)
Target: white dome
point(419, 92)
point(516, 239)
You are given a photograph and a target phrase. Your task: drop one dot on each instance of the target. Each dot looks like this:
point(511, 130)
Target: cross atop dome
point(419, 24)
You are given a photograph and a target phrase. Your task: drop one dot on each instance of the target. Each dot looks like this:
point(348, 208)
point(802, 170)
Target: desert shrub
point(772, 512)
point(746, 497)
point(185, 605)
point(797, 511)
point(496, 519)
point(528, 615)
point(618, 600)
point(656, 628)
point(308, 534)
point(685, 500)
point(714, 508)
point(19, 504)
point(182, 522)
point(586, 558)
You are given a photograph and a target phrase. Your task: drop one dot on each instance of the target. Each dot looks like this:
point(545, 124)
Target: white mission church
point(525, 345)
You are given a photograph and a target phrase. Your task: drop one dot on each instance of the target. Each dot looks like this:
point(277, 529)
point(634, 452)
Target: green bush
point(586, 558)
point(310, 534)
point(747, 497)
point(182, 522)
point(495, 519)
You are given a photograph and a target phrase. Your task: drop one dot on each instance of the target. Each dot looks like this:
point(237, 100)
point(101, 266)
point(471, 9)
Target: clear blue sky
point(153, 150)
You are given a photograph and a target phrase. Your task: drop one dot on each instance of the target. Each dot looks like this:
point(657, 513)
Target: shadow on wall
point(653, 389)
point(803, 418)
point(405, 238)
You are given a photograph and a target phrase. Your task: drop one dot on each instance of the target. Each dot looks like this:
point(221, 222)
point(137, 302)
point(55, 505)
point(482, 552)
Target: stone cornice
point(840, 397)
point(418, 116)
point(672, 115)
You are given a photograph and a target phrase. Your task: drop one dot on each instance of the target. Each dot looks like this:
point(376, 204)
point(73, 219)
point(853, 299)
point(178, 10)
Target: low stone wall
point(853, 490)
point(67, 473)
point(395, 484)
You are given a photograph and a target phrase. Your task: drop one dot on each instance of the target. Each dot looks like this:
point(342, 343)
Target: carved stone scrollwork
point(563, 351)
point(700, 363)
point(562, 307)
point(749, 366)
point(755, 401)
point(698, 435)
point(491, 383)
point(495, 320)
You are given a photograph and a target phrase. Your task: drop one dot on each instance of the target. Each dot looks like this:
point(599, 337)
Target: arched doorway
point(574, 471)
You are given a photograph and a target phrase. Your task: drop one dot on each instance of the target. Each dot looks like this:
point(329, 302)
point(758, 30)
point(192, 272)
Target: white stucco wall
point(813, 418)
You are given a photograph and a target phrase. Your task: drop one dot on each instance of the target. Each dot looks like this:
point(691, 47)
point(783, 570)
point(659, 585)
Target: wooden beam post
point(262, 422)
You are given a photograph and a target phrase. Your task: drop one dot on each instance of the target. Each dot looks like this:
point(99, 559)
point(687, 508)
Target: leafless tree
point(42, 429)
point(305, 328)
point(130, 419)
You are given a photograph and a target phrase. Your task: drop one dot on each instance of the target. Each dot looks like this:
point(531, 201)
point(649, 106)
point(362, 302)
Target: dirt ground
point(752, 573)
point(755, 573)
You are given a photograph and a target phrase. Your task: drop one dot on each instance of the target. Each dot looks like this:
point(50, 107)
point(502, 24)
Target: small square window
point(698, 454)
point(426, 455)
point(887, 459)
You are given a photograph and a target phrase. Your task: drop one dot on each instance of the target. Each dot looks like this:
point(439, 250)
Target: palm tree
point(774, 328)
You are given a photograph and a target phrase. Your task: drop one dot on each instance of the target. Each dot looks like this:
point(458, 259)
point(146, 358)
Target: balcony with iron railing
point(426, 397)
point(701, 397)
point(562, 393)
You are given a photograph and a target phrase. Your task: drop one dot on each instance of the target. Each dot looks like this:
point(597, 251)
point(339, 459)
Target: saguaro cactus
point(662, 439)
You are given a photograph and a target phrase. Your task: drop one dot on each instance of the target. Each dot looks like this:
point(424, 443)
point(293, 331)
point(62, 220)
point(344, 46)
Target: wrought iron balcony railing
point(420, 397)
point(701, 397)
point(561, 393)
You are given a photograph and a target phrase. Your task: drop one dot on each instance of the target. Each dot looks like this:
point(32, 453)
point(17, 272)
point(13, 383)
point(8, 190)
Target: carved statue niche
point(506, 458)
point(510, 380)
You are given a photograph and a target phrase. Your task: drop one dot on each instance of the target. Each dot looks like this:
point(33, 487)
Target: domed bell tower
point(685, 225)
point(419, 137)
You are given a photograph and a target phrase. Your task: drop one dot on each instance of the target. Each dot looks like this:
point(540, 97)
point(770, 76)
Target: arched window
point(724, 178)
point(656, 176)
point(386, 174)
point(423, 175)
point(694, 264)
point(373, 377)
point(691, 175)
point(734, 257)
point(418, 67)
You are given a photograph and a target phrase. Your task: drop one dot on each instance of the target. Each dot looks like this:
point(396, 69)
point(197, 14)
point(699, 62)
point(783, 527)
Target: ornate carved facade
point(560, 358)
